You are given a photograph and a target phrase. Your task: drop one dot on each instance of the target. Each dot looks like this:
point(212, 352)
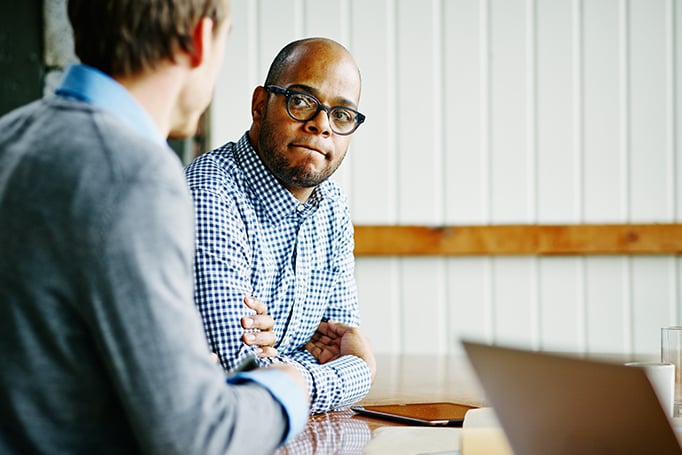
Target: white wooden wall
point(493, 112)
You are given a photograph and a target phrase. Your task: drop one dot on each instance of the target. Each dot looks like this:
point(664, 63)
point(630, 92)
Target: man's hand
point(264, 338)
point(332, 340)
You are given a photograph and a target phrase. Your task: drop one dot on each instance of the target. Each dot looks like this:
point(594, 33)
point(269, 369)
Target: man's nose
point(319, 124)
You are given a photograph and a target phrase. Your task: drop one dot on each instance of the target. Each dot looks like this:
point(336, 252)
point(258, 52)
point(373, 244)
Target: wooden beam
point(579, 239)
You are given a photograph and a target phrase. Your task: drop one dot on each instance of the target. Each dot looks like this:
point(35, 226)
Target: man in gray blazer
point(102, 348)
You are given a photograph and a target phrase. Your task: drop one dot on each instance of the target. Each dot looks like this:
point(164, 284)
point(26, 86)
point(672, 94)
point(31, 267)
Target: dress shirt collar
point(277, 201)
point(90, 85)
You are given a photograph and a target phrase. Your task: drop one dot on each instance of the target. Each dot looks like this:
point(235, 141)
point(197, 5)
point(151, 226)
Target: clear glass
point(671, 351)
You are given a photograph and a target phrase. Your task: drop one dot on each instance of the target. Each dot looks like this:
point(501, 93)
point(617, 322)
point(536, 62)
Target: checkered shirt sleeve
point(254, 238)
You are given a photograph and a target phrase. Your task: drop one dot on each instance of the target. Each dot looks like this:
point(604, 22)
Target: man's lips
point(312, 148)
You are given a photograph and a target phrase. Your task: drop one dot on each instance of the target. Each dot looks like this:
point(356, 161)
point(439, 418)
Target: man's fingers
point(313, 348)
point(256, 305)
point(267, 351)
point(321, 354)
point(262, 339)
point(323, 339)
point(333, 329)
point(337, 328)
point(257, 321)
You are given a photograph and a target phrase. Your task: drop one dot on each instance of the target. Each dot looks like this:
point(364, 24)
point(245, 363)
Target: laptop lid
point(556, 404)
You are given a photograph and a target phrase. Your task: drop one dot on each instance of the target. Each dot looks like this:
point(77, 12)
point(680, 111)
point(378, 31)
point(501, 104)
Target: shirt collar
point(277, 201)
point(88, 84)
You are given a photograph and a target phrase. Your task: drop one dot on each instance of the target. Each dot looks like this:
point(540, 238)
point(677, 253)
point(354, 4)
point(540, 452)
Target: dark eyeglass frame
point(358, 117)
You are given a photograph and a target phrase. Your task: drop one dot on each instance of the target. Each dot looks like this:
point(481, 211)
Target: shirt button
point(300, 207)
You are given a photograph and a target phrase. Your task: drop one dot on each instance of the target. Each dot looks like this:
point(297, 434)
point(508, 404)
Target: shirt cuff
point(286, 391)
point(356, 374)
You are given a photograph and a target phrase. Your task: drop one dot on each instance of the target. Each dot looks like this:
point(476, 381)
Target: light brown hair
point(125, 37)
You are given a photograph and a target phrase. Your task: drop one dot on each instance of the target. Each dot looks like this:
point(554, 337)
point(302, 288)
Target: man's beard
point(275, 160)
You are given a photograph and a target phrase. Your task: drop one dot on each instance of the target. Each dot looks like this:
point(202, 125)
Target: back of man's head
point(125, 37)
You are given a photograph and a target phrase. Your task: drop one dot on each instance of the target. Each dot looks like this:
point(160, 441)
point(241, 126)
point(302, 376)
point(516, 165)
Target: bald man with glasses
point(274, 266)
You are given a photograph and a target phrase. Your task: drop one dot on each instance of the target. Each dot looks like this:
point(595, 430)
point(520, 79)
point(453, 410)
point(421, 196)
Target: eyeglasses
point(304, 107)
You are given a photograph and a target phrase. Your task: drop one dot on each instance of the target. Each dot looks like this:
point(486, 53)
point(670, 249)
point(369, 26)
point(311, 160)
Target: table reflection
point(337, 432)
point(400, 379)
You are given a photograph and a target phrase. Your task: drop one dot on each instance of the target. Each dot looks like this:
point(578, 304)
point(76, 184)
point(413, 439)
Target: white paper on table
point(483, 435)
point(414, 441)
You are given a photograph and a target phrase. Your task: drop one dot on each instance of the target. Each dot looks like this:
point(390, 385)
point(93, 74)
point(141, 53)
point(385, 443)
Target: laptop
point(557, 404)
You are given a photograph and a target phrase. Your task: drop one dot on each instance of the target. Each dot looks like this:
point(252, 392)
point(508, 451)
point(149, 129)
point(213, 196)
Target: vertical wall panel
point(601, 127)
point(670, 158)
point(578, 107)
point(555, 132)
point(605, 295)
point(625, 107)
point(380, 303)
point(373, 148)
point(531, 120)
point(279, 23)
point(469, 300)
point(419, 189)
point(562, 323)
point(327, 18)
point(674, 301)
point(649, 179)
point(650, 297)
point(676, 271)
point(675, 110)
point(465, 182)
point(509, 180)
point(231, 105)
point(422, 284)
point(514, 308)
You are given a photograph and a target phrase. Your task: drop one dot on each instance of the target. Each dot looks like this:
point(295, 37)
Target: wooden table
point(400, 379)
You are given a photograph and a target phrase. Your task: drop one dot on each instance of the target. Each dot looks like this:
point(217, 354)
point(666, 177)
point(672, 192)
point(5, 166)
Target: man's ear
point(258, 100)
point(202, 40)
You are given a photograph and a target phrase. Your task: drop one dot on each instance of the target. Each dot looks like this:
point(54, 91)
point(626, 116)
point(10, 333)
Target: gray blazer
point(102, 348)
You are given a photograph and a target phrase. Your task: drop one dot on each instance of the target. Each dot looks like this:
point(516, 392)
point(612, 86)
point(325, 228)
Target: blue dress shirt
point(254, 238)
point(88, 84)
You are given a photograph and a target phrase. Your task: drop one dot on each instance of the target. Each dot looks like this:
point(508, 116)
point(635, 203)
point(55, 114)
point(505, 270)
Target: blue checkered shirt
point(255, 238)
